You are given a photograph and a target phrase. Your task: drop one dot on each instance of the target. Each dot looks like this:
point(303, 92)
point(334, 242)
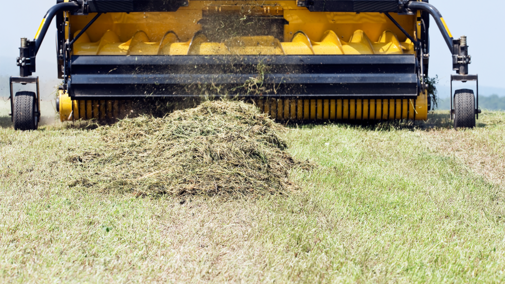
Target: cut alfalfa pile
point(217, 148)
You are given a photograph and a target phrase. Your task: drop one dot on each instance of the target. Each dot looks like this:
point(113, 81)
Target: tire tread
point(24, 111)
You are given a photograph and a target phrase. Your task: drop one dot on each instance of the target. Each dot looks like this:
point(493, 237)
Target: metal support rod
point(437, 16)
point(12, 99)
point(477, 84)
point(38, 98)
point(451, 99)
point(401, 28)
point(48, 18)
point(84, 29)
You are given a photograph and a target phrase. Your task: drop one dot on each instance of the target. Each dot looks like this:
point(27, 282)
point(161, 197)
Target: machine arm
point(457, 47)
point(29, 48)
point(437, 16)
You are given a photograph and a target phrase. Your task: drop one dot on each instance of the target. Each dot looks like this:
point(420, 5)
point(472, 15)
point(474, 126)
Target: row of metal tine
point(279, 109)
point(319, 108)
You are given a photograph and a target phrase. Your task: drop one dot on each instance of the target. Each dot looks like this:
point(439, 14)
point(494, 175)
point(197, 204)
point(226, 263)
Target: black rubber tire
point(464, 109)
point(25, 109)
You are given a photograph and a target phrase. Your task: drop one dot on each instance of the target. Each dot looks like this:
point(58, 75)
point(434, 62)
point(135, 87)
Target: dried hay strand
point(217, 148)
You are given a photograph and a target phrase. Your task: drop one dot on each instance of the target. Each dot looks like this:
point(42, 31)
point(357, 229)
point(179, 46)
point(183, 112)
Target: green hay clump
point(217, 148)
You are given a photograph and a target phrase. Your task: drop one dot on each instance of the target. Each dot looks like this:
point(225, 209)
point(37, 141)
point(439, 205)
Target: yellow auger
point(297, 60)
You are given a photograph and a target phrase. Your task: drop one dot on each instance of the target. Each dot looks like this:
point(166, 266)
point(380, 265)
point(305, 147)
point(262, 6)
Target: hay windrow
point(217, 148)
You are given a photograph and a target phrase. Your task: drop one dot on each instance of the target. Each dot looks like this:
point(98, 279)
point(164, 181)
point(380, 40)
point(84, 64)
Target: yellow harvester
point(296, 59)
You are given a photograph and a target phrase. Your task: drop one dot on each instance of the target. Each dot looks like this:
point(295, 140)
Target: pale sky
point(479, 21)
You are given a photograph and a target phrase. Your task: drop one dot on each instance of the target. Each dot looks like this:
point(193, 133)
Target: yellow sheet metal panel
point(141, 44)
point(422, 106)
point(405, 109)
point(65, 107)
point(287, 109)
point(273, 108)
point(176, 48)
point(110, 44)
point(392, 109)
point(155, 24)
point(313, 109)
point(338, 109)
point(373, 109)
point(379, 110)
point(306, 32)
point(300, 45)
point(319, 109)
point(267, 107)
point(388, 44)
point(211, 48)
point(332, 109)
point(253, 45)
point(329, 44)
point(300, 109)
point(306, 109)
point(280, 110)
point(314, 24)
point(346, 109)
point(359, 108)
point(353, 109)
point(326, 109)
point(359, 43)
point(293, 104)
point(411, 114)
point(418, 24)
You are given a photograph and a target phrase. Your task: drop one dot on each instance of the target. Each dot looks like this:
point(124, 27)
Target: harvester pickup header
point(295, 59)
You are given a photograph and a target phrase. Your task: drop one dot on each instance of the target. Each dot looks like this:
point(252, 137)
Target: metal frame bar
point(253, 96)
point(401, 28)
point(350, 78)
point(350, 5)
point(359, 72)
point(48, 18)
point(84, 30)
point(212, 60)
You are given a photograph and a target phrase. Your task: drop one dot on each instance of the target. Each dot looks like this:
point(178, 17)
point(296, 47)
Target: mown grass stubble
point(386, 204)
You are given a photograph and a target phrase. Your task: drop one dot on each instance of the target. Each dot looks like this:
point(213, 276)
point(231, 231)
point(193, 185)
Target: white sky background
point(479, 20)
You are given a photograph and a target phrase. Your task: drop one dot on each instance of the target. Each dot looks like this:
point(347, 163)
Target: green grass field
point(387, 203)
